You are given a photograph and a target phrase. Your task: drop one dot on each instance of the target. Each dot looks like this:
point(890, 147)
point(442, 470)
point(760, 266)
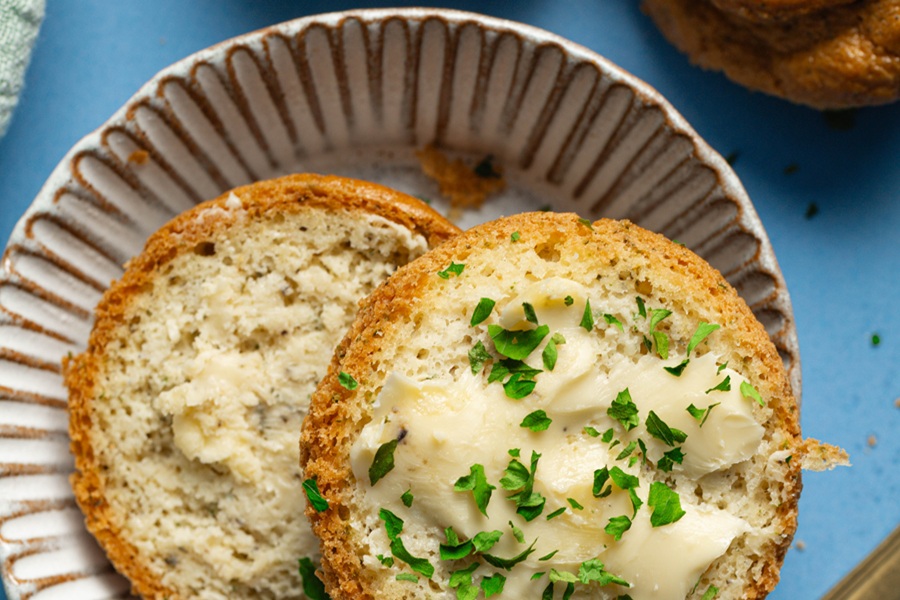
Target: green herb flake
point(406, 577)
point(547, 557)
point(666, 505)
point(617, 526)
point(313, 587)
point(383, 462)
point(611, 320)
point(536, 421)
point(550, 353)
point(493, 585)
point(587, 318)
point(701, 414)
point(478, 356)
point(508, 563)
point(419, 565)
point(662, 344)
point(669, 459)
point(347, 382)
point(667, 435)
point(656, 317)
point(711, 592)
point(591, 431)
point(678, 369)
point(476, 482)
point(315, 497)
point(517, 533)
point(748, 391)
point(569, 300)
point(723, 386)
point(642, 309)
point(454, 549)
point(876, 339)
point(538, 575)
point(722, 367)
point(516, 236)
point(393, 524)
point(626, 452)
point(587, 223)
point(516, 452)
point(482, 311)
point(462, 577)
point(593, 570)
point(517, 344)
point(530, 315)
point(607, 436)
point(601, 476)
point(387, 561)
point(574, 504)
point(452, 269)
point(407, 498)
point(485, 540)
point(520, 479)
point(556, 513)
point(703, 330)
point(517, 388)
point(624, 410)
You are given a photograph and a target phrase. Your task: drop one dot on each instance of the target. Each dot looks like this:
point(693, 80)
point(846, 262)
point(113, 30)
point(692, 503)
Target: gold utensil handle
point(877, 576)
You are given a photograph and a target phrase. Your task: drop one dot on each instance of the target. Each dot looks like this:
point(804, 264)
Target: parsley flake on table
point(315, 497)
point(666, 505)
point(703, 330)
point(482, 311)
point(587, 318)
point(478, 356)
point(452, 269)
point(701, 414)
point(530, 315)
point(624, 410)
point(611, 320)
point(517, 344)
point(476, 482)
point(347, 382)
point(617, 526)
point(312, 585)
point(536, 421)
point(493, 585)
point(723, 386)
point(748, 391)
point(667, 435)
point(383, 462)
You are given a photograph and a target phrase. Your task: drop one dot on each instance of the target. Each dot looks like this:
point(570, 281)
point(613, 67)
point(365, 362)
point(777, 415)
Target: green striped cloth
point(20, 21)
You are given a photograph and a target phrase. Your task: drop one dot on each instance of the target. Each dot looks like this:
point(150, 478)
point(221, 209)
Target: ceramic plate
point(355, 93)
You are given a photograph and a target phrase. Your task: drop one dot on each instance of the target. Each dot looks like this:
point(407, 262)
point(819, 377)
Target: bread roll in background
point(543, 402)
point(187, 403)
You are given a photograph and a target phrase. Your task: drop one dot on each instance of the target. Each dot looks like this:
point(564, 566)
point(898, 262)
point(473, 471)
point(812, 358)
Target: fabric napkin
point(20, 21)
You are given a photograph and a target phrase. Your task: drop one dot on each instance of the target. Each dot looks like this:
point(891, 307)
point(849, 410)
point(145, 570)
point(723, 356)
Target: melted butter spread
point(445, 426)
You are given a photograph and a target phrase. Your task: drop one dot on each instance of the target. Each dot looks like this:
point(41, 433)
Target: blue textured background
point(842, 265)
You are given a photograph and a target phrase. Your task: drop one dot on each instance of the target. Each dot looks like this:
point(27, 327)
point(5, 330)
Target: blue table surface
point(842, 265)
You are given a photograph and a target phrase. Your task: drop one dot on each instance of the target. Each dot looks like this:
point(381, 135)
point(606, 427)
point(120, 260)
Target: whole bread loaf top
point(442, 424)
point(187, 403)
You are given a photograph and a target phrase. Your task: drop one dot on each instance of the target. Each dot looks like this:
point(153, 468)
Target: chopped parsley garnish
point(662, 344)
point(574, 504)
point(313, 587)
point(536, 421)
point(556, 513)
point(593, 570)
point(515, 452)
point(601, 476)
point(485, 540)
point(509, 563)
point(478, 355)
point(549, 556)
point(723, 386)
point(617, 526)
point(493, 585)
point(607, 436)
point(406, 577)
point(454, 549)
point(517, 533)
point(394, 525)
point(624, 410)
point(591, 431)
point(748, 391)
point(656, 316)
point(587, 223)
point(678, 369)
point(666, 505)
point(407, 498)
point(383, 462)
point(520, 479)
point(642, 310)
point(611, 320)
point(346, 380)
point(701, 414)
point(462, 580)
point(476, 483)
point(703, 330)
point(508, 366)
point(387, 561)
point(530, 315)
point(658, 429)
point(482, 311)
point(669, 458)
point(587, 318)
point(711, 592)
point(516, 236)
point(517, 344)
point(315, 497)
point(452, 269)
point(626, 452)
point(550, 353)
point(517, 388)
point(569, 300)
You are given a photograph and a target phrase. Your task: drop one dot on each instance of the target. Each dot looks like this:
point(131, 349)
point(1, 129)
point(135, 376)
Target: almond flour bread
point(186, 406)
point(828, 54)
point(543, 407)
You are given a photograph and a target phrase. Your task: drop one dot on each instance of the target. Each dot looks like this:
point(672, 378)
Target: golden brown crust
point(828, 54)
point(284, 195)
point(337, 414)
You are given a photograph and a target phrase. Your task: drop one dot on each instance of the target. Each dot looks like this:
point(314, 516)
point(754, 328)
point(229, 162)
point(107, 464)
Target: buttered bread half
point(546, 407)
point(186, 406)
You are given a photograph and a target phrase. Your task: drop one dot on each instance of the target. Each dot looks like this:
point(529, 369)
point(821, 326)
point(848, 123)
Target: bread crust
point(337, 415)
point(285, 195)
point(827, 54)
